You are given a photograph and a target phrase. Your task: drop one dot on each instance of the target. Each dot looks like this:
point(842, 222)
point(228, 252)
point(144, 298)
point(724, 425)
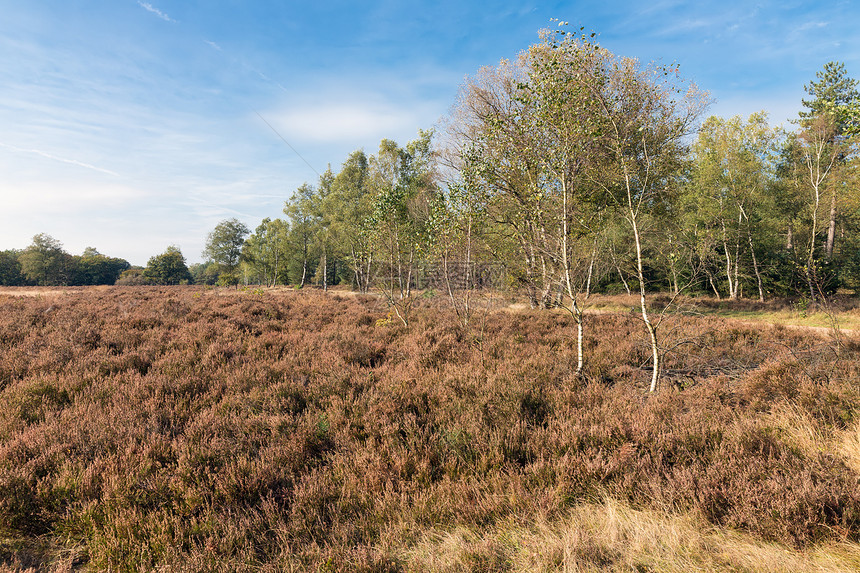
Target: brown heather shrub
point(146, 428)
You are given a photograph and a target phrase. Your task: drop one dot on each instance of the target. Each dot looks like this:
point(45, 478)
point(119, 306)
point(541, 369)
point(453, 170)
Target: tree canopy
point(168, 268)
point(224, 247)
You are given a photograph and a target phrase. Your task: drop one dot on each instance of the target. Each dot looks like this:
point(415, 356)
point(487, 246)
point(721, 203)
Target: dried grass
point(611, 536)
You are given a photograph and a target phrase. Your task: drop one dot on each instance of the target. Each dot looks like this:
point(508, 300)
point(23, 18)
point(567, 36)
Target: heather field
point(186, 429)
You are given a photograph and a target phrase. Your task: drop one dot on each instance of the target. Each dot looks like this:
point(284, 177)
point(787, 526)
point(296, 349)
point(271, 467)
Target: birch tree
point(403, 188)
point(265, 251)
point(303, 210)
point(346, 208)
point(734, 164)
point(646, 113)
point(563, 126)
point(489, 137)
point(224, 246)
point(818, 154)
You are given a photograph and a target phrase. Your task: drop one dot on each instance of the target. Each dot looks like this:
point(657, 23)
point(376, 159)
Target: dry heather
point(167, 428)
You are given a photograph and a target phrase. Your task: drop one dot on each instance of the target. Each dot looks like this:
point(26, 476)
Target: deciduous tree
point(734, 164)
point(265, 251)
point(224, 246)
point(168, 268)
point(44, 261)
point(646, 113)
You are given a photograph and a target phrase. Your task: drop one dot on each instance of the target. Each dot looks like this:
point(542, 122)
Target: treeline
point(572, 170)
point(46, 263)
point(566, 171)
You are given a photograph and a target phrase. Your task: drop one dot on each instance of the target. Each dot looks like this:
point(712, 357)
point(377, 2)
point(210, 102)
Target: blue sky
point(130, 126)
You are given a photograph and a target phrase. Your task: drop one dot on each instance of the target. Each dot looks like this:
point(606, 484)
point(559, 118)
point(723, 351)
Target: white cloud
point(150, 8)
point(70, 198)
point(347, 122)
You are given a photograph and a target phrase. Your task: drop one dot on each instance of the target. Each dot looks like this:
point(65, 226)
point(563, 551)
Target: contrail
point(61, 159)
point(150, 8)
point(262, 76)
point(288, 143)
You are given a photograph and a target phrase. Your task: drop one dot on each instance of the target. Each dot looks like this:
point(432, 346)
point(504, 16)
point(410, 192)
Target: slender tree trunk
point(728, 253)
point(469, 283)
point(831, 230)
point(652, 330)
point(447, 275)
point(755, 265)
point(819, 167)
point(275, 273)
point(675, 288)
point(395, 246)
point(618, 268)
point(304, 264)
point(546, 283)
point(574, 306)
point(590, 271)
point(391, 271)
point(738, 257)
point(325, 270)
point(624, 282)
point(409, 273)
point(530, 276)
point(810, 259)
point(713, 286)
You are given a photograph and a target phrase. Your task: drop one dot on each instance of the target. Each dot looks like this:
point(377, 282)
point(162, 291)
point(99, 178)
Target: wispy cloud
point(150, 8)
point(71, 198)
point(346, 122)
point(60, 159)
point(811, 26)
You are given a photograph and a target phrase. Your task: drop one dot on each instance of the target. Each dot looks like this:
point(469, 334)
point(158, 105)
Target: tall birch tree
point(646, 114)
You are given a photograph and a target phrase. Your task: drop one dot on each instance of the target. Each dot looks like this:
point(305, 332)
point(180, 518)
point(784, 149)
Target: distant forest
point(566, 171)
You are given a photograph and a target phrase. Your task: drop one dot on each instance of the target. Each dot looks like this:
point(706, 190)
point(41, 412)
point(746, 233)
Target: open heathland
point(183, 429)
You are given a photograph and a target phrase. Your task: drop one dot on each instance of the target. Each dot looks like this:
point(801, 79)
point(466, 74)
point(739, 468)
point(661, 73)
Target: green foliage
point(563, 171)
point(367, 221)
point(167, 268)
point(835, 94)
point(205, 273)
point(730, 202)
point(306, 237)
point(403, 191)
point(44, 262)
point(10, 268)
point(224, 246)
point(94, 268)
point(344, 207)
point(266, 253)
point(133, 277)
